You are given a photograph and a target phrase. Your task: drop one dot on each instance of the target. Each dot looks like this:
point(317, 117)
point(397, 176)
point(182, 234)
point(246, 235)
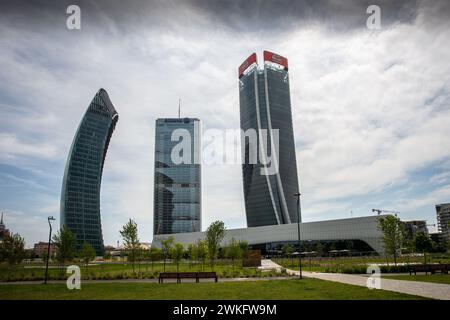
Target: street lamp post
point(310, 254)
point(48, 248)
point(298, 229)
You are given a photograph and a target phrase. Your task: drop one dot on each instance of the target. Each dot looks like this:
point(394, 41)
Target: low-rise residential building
point(443, 219)
point(41, 248)
point(412, 227)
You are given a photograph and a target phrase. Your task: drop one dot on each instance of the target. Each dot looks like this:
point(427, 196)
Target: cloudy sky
point(371, 108)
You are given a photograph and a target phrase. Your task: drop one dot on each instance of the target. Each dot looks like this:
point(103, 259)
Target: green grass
point(434, 278)
point(273, 289)
point(355, 264)
point(125, 271)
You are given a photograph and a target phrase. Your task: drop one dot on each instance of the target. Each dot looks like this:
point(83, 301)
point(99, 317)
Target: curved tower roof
point(80, 194)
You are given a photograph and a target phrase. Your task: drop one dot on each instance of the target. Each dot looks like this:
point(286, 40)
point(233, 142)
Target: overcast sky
point(371, 108)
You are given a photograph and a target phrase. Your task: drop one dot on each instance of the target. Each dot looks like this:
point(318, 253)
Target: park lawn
point(125, 270)
point(306, 289)
point(434, 278)
point(352, 264)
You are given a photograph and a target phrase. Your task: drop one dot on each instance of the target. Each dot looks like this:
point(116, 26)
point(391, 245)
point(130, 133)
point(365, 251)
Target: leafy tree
point(201, 250)
point(244, 248)
point(87, 253)
point(423, 243)
point(177, 252)
point(214, 235)
point(44, 255)
point(107, 255)
point(393, 234)
point(130, 238)
point(191, 253)
point(145, 256)
point(12, 249)
point(233, 251)
point(139, 255)
point(155, 254)
point(442, 246)
point(166, 247)
point(319, 249)
point(288, 250)
point(64, 241)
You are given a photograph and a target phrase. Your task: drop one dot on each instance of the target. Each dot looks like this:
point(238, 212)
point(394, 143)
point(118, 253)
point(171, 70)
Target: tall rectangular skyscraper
point(265, 105)
point(177, 183)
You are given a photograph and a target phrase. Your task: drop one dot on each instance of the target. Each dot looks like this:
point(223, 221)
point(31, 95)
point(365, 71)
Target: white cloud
point(12, 147)
point(369, 108)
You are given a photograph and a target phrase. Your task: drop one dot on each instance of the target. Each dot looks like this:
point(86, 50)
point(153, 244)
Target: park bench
point(432, 268)
point(186, 275)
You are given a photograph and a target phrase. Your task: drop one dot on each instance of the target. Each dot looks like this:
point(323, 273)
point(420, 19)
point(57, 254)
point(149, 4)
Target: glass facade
point(177, 186)
point(443, 220)
point(80, 195)
point(265, 104)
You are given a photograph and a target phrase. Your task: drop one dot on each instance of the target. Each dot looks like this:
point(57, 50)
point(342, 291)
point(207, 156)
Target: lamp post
point(48, 247)
point(298, 228)
point(310, 254)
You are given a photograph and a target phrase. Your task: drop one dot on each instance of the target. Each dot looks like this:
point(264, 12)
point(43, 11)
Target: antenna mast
point(179, 107)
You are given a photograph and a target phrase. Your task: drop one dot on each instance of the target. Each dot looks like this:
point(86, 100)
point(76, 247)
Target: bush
point(363, 269)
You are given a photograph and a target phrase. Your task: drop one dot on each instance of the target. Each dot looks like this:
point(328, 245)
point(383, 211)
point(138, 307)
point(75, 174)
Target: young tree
point(214, 236)
point(44, 256)
point(191, 253)
point(12, 249)
point(145, 255)
point(201, 252)
point(155, 254)
point(107, 255)
point(423, 243)
point(393, 234)
point(130, 238)
point(319, 249)
point(166, 247)
point(87, 253)
point(64, 241)
point(288, 251)
point(244, 248)
point(233, 251)
point(177, 252)
point(139, 255)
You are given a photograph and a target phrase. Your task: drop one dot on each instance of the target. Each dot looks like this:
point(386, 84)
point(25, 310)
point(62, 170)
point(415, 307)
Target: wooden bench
point(432, 268)
point(206, 275)
point(167, 275)
point(186, 275)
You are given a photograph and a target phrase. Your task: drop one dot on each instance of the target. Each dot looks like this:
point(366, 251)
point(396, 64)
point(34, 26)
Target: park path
point(424, 289)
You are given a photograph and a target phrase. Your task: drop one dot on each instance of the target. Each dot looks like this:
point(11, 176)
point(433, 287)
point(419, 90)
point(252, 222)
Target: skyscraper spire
point(179, 107)
point(1, 221)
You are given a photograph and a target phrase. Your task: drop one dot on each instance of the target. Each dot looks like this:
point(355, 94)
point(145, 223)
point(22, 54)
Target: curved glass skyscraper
point(80, 194)
point(265, 104)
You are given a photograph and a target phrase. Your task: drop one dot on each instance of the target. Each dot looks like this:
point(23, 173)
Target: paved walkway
point(267, 264)
point(424, 289)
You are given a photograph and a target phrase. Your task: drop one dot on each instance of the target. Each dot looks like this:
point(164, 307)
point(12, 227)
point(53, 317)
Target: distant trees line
point(396, 241)
point(12, 247)
point(200, 252)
